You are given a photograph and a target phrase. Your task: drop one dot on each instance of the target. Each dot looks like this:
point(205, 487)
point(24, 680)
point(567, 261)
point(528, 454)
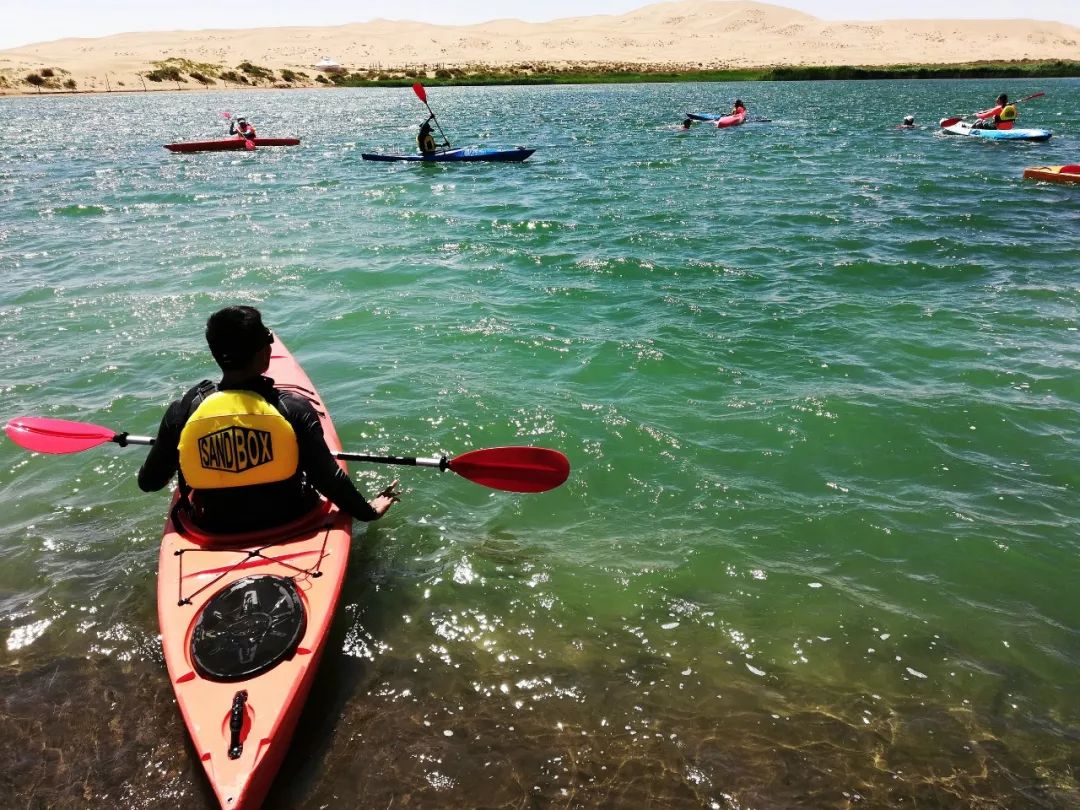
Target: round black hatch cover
point(248, 628)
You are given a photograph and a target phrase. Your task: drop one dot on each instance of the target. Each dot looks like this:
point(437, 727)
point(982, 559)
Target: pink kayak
point(228, 144)
point(731, 120)
point(244, 621)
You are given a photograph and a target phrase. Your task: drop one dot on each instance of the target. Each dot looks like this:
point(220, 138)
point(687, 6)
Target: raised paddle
point(421, 94)
point(512, 469)
point(948, 122)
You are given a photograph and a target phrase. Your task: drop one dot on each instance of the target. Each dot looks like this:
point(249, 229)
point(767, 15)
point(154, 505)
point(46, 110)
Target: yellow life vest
point(237, 439)
point(1008, 113)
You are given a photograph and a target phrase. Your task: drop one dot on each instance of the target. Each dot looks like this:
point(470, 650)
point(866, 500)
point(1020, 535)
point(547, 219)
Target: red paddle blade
point(44, 435)
point(249, 144)
point(948, 122)
point(421, 93)
point(226, 115)
point(514, 469)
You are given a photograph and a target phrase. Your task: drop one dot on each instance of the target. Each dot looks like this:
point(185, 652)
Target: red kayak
point(731, 120)
point(229, 144)
point(244, 621)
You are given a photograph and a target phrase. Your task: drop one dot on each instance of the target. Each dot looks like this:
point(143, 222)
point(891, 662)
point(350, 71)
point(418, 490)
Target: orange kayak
point(244, 620)
point(1053, 174)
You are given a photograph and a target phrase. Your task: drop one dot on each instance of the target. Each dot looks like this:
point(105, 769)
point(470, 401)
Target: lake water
point(818, 379)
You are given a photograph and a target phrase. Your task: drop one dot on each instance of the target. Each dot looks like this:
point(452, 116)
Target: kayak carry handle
point(236, 724)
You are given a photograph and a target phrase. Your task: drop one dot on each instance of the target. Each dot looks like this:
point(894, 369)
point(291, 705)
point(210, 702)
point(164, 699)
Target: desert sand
point(693, 34)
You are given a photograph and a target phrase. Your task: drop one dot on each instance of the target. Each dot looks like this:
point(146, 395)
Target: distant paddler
point(241, 128)
point(425, 140)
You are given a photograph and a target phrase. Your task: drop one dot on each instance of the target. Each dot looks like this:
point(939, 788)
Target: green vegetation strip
point(623, 74)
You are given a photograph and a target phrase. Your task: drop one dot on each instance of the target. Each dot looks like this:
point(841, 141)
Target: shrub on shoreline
point(167, 73)
point(255, 71)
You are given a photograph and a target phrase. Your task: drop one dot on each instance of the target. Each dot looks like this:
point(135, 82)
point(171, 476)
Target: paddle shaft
point(440, 463)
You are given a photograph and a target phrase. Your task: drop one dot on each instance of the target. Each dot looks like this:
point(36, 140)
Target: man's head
point(909, 120)
point(236, 335)
point(1003, 99)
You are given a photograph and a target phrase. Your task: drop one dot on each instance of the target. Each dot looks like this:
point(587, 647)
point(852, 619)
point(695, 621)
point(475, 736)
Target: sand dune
point(694, 33)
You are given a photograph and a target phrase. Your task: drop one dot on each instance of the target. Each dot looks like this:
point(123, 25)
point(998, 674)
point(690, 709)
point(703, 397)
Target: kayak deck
point(1054, 174)
point(241, 726)
point(228, 144)
point(464, 155)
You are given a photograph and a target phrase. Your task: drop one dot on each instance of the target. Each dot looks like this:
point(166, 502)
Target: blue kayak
point(460, 156)
point(1015, 134)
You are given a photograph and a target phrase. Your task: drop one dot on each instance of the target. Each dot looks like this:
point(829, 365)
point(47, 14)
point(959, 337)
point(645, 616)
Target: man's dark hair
point(235, 334)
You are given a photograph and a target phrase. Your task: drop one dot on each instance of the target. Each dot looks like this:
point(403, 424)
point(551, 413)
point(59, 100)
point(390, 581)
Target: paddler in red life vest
point(243, 129)
point(738, 107)
point(272, 476)
point(1001, 116)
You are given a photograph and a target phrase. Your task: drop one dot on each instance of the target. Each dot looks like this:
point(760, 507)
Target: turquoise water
point(819, 384)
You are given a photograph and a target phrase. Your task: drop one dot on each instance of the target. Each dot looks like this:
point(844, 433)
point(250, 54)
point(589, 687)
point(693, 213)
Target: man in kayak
point(425, 140)
point(243, 129)
point(1001, 116)
point(264, 473)
point(738, 108)
point(909, 122)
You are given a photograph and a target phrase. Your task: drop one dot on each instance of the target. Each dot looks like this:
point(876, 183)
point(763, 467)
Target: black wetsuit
point(239, 509)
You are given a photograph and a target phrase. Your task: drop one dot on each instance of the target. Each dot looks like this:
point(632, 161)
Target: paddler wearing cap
point(242, 129)
point(1001, 116)
point(247, 455)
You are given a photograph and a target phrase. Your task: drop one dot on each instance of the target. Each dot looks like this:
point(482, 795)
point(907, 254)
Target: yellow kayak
point(1054, 174)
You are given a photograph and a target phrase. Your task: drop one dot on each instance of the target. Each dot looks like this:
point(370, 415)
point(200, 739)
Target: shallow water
point(818, 384)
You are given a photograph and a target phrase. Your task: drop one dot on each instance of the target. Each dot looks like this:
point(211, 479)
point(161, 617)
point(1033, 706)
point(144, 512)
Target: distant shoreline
point(598, 74)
